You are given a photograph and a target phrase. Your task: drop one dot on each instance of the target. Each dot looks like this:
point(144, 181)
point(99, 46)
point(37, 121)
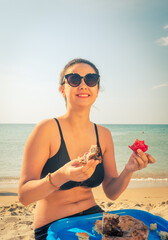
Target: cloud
point(163, 41)
point(161, 85)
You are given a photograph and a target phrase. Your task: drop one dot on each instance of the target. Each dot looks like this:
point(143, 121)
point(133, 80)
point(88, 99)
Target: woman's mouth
point(83, 95)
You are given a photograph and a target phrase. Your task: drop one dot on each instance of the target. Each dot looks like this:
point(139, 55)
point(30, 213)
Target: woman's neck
point(78, 118)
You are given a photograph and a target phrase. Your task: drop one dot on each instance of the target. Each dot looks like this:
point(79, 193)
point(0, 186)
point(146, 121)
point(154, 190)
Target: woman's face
point(81, 95)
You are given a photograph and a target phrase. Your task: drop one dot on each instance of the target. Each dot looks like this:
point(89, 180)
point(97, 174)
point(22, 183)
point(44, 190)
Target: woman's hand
point(78, 172)
point(139, 161)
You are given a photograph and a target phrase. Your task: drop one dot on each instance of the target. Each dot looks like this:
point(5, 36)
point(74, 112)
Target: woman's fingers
point(82, 172)
point(99, 159)
point(150, 158)
point(143, 157)
point(89, 168)
point(90, 165)
point(139, 161)
point(75, 162)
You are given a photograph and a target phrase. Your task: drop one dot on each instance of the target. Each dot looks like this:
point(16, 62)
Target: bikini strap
point(59, 129)
point(97, 136)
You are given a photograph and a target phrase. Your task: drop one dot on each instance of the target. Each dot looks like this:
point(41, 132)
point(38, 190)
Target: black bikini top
point(62, 157)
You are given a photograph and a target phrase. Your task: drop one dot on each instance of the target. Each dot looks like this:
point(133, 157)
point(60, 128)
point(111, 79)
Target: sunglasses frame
point(84, 77)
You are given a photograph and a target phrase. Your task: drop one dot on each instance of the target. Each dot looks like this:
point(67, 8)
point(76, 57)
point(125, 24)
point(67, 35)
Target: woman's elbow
point(22, 200)
point(110, 189)
point(112, 196)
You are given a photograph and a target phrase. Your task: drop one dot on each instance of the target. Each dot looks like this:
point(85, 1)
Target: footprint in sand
point(109, 204)
point(14, 214)
point(26, 222)
point(139, 205)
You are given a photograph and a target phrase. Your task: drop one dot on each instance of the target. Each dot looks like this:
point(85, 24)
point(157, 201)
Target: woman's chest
point(75, 146)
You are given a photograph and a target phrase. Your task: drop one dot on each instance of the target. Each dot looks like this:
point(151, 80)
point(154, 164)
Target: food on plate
point(139, 145)
point(110, 225)
point(163, 235)
point(153, 226)
point(98, 227)
point(82, 236)
point(116, 227)
point(92, 154)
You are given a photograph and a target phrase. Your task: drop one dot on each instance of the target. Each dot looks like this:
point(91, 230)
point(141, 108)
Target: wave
point(149, 179)
point(15, 180)
point(9, 180)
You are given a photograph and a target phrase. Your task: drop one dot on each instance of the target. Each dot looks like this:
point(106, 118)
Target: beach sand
point(17, 221)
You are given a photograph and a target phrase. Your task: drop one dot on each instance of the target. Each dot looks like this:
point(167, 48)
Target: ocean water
point(14, 136)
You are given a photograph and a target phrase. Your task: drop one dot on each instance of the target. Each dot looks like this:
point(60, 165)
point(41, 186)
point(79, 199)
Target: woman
point(52, 174)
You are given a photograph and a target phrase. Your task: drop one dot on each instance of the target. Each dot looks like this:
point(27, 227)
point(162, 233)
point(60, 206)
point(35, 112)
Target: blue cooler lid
point(66, 229)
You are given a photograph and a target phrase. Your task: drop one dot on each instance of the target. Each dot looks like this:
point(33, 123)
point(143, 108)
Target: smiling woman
point(53, 174)
point(81, 82)
point(74, 79)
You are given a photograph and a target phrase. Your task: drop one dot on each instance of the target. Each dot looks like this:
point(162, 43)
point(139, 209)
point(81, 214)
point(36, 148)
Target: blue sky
point(127, 41)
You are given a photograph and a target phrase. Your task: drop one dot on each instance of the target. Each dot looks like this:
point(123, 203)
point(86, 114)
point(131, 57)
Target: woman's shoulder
point(45, 123)
point(105, 136)
point(45, 126)
point(103, 130)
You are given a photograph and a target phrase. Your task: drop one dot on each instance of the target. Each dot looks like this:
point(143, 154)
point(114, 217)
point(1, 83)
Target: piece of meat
point(98, 227)
point(131, 228)
point(82, 236)
point(92, 154)
point(110, 225)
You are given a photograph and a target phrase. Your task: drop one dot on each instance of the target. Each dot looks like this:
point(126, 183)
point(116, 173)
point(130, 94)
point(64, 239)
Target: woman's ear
point(61, 89)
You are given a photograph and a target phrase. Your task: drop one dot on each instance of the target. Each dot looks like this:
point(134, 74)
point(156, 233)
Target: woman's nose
point(83, 85)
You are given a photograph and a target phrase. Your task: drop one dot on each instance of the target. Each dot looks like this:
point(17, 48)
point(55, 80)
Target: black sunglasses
point(74, 79)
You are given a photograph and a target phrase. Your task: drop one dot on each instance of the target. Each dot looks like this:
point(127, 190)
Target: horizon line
point(97, 123)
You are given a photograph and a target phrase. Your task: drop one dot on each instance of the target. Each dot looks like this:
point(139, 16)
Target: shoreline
point(13, 182)
point(17, 220)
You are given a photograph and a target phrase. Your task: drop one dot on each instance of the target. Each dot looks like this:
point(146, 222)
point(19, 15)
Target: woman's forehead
point(80, 68)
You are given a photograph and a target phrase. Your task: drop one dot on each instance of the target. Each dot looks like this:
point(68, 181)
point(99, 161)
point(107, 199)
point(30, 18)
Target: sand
point(17, 221)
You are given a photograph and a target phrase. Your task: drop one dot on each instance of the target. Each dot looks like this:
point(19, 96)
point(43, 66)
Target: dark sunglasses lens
point(91, 79)
point(74, 80)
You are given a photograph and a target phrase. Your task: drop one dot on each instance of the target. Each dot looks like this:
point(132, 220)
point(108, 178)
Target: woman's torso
point(63, 203)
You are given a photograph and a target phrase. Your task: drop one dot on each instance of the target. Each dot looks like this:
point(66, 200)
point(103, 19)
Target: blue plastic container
point(65, 229)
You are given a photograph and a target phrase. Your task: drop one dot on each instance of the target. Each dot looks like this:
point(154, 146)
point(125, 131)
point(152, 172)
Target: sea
point(14, 136)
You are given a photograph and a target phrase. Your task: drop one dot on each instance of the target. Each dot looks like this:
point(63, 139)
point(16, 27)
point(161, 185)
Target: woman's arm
point(114, 185)
point(36, 153)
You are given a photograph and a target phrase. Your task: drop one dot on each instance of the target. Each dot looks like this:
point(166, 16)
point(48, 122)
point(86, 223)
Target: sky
point(127, 41)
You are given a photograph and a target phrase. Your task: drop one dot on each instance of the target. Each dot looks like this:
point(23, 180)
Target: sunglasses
point(74, 79)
